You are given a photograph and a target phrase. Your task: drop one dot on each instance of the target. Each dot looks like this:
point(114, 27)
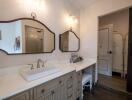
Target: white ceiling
point(81, 3)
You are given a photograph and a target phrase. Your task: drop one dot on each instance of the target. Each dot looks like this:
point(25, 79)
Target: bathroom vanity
point(63, 85)
point(59, 81)
point(61, 88)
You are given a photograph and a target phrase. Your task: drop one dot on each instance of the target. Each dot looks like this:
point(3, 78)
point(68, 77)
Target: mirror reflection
point(26, 36)
point(69, 42)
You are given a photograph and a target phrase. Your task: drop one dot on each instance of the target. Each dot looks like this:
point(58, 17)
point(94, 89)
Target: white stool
point(87, 78)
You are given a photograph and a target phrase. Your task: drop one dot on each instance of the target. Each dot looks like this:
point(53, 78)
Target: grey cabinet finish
point(70, 93)
point(27, 95)
point(53, 90)
point(57, 89)
point(62, 88)
point(78, 81)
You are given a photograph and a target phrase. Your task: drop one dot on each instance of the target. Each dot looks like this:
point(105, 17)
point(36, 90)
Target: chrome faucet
point(73, 57)
point(38, 63)
point(32, 67)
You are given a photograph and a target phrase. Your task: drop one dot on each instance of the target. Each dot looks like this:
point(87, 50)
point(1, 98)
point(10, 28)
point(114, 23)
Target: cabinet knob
point(109, 52)
point(60, 82)
point(52, 92)
point(42, 91)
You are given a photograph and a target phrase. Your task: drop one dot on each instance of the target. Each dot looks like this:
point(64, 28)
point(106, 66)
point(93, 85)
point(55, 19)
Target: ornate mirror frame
point(76, 37)
point(24, 18)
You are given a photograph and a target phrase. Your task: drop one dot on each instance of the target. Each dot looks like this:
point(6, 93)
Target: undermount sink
point(30, 75)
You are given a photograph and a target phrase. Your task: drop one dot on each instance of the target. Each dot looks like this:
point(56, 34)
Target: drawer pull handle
point(70, 96)
point(42, 91)
point(52, 92)
point(70, 87)
point(60, 82)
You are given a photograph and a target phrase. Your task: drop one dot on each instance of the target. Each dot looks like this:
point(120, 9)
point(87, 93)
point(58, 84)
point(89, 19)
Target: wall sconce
point(71, 21)
point(33, 15)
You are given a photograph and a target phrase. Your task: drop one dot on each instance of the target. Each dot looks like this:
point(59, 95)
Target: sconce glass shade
point(71, 21)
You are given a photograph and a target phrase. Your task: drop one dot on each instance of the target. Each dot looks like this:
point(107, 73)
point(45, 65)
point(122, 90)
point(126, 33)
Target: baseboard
point(116, 73)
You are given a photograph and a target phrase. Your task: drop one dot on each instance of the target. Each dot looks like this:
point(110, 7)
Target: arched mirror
point(26, 36)
point(69, 42)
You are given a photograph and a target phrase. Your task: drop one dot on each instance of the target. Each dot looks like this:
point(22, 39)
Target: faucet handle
point(31, 66)
point(44, 63)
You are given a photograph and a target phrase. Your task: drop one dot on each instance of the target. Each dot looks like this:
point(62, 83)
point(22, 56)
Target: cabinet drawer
point(22, 96)
point(70, 97)
point(79, 81)
point(70, 79)
point(45, 88)
point(70, 86)
point(69, 92)
point(70, 75)
point(79, 75)
point(79, 91)
point(46, 96)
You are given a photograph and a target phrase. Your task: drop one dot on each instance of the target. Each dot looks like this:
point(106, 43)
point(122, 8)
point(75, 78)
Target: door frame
point(27, 34)
point(128, 7)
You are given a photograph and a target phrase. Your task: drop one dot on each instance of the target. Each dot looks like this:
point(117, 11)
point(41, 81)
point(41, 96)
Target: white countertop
point(12, 83)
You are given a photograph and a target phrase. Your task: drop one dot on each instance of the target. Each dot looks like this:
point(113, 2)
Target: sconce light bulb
point(33, 15)
point(76, 20)
point(71, 21)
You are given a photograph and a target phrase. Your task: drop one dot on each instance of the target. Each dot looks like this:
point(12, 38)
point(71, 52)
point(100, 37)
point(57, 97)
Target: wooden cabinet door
point(44, 90)
point(46, 96)
point(56, 93)
point(21, 96)
point(53, 90)
point(52, 94)
point(62, 89)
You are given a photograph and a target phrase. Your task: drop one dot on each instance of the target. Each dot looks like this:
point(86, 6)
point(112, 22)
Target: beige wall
point(53, 15)
point(89, 23)
point(119, 19)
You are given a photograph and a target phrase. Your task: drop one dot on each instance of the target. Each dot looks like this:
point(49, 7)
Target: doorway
point(34, 39)
point(113, 49)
